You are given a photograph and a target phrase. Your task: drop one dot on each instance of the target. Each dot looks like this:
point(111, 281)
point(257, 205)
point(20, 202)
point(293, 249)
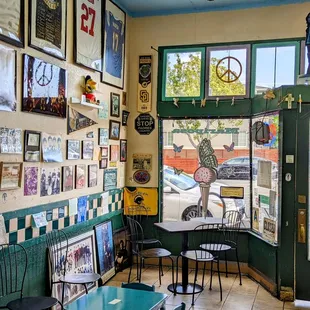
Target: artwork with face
point(30, 181)
point(80, 176)
point(67, 178)
point(51, 148)
point(50, 181)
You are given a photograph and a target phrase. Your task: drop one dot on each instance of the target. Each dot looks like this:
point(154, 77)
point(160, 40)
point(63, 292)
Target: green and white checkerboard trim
point(19, 223)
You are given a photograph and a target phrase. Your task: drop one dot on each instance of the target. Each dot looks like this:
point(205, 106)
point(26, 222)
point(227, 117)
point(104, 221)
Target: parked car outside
point(182, 197)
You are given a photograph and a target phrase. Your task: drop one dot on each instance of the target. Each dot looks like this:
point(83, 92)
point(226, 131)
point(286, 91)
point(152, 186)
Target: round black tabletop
point(32, 303)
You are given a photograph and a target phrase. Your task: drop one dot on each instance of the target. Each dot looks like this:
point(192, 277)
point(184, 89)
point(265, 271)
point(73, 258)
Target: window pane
point(306, 59)
point(222, 70)
point(285, 66)
point(183, 74)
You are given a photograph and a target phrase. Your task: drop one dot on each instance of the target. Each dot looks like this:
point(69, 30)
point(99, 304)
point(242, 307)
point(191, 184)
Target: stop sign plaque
point(144, 124)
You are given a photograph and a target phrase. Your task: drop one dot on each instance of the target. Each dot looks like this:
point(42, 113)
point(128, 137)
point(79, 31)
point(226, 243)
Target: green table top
point(102, 297)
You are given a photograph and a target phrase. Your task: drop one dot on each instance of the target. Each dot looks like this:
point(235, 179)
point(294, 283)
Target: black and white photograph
point(88, 149)
point(11, 141)
point(114, 131)
point(92, 175)
point(115, 104)
point(73, 149)
point(51, 148)
point(50, 181)
point(32, 146)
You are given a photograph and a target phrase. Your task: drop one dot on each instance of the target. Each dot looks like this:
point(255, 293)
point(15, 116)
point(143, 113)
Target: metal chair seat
point(32, 303)
point(154, 253)
point(215, 247)
point(82, 278)
point(148, 241)
point(201, 256)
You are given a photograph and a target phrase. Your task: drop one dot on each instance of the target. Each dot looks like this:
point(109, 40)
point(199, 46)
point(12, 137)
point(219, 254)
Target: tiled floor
point(249, 296)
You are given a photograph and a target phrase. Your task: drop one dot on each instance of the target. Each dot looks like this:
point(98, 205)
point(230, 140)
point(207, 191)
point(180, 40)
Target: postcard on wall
point(48, 26)
point(142, 162)
point(51, 148)
point(264, 174)
point(39, 220)
point(105, 202)
point(50, 181)
point(82, 209)
point(72, 206)
point(44, 88)
point(104, 112)
point(32, 146)
point(10, 175)
point(7, 77)
point(110, 179)
point(30, 181)
point(270, 228)
point(272, 203)
point(11, 141)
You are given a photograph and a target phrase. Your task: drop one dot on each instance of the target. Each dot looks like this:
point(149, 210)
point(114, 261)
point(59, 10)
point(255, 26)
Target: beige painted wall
point(215, 27)
point(16, 199)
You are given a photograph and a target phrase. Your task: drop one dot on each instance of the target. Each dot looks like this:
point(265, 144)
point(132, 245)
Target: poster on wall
point(82, 209)
point(50, 181)
point(30, 181)
point(11, 141)
point(7, 78)
point(264, 174)
point(78, 121)
point(44, 88)
point(10, 175)
point(12, 22)
point(142, 161)
point(110, 179)
point(269, 231)
point(88, 34)
point(51, 148)
point(48, 26)
point(114, 46)
point(122, 249)
point(145, 85)
point(82, 255)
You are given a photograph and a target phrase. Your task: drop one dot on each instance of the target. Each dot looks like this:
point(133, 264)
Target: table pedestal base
point(186, 290)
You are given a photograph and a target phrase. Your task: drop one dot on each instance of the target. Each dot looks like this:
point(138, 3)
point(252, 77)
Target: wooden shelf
point(83, 103)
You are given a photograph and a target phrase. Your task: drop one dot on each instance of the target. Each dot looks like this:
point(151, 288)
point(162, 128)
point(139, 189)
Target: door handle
point(302, 226)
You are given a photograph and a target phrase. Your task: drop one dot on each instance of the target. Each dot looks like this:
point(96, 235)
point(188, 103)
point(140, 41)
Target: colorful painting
point(115, 104)
point(10, 175)
point(78, 121)
point(114, 153)
point(10, 141)
point(123, 153)
point(44, 88)
point(82, 209)
point(114, 49)
point(92, 175)
point(110, 179)
point(51, 148)
point(32, 146)
point(88, 149)
point(7, 77)
point(103, 136)
point(73, 149)
point(30, 181)
point(67, 178)
point(50, 181)
point(80, 176)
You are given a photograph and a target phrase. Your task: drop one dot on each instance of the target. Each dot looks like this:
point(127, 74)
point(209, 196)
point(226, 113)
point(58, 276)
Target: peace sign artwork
point(44, 88)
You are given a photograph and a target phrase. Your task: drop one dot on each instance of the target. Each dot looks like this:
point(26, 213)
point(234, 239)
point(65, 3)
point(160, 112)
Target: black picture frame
point(103, 163)
point(113, 133)
point(89, 182)
point(86, 149)
point(72, 157)
point(32, 150)
point(123, 151)
point(9, 39)
point(65, 187)
point(105, 79)
point(125, 115)
point(32, 25)
point(115, 106)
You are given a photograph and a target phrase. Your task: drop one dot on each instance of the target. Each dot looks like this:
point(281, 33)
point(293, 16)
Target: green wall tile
point(49, 215)
point(28, 233)
point(42, 230)
point(55, 224)
point(67, 221)
point(13, 237)
point(21, 223)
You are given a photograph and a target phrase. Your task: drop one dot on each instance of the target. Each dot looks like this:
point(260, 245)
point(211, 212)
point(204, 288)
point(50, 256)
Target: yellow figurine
point(90, 88)
point(269, 94)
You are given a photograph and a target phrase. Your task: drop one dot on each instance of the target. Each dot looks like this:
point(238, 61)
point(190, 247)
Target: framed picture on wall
point(103, 163)
point(50, 181)
point(80, 176)
point(67, 178)
point(103, 136)
point(88, 149)
point(12, 22)
point(10, 175)
point(7, 78)
point(114, 130)
point(48, 26)
point(114, 45)
point(88, 34)
point(73, 149)
point(44, 88)
point(115, 104)
point(123, 147)
point(92, 175)
point(104, 151)
point(114, 152)
point(32, 146)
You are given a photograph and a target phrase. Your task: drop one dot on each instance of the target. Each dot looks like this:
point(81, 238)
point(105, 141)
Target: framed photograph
point(67, 178)
point(103, 163)
point(48, 26)
point(114, 131)
point(88, 34)
point(123, 154)
point(32, 146)
point(122, 249)
point(50, 181)
point(73, 149)
point(125, 115)
point(105, 250)
point(114, 50)
point(80, 176)
point(81, 263)
point(92, 175)
point(12, 22)
point(115, 104)
point(110, 179)
point(11, 141)
point(7, 77)
point(30, 181)
point(114, 152)
point(10, 175)
point(103, 136)
point(51, 148)
point(44, 88)
point(88, 149)
point(104, 152)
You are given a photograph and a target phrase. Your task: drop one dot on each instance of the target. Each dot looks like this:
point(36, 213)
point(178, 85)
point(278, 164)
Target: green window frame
point(255, 47)
point(202, 50)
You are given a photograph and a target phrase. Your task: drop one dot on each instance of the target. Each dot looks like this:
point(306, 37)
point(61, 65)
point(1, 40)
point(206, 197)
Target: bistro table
point(116, 298)
point(184, 287)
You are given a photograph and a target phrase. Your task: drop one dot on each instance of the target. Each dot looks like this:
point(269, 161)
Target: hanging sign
point(144, 124)
point(145, 84)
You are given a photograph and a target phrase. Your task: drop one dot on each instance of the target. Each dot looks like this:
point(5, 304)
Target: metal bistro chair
point(139, 287)
point(180, 307)
point(137, 248)
point(57, 244)
point(205, 233)
point(231, 228)
point(13, 268)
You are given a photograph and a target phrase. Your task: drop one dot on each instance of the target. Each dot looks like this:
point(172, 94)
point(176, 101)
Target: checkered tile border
point(19, 228)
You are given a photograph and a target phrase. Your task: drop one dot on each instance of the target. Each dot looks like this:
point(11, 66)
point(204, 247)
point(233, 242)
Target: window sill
point(261, 238)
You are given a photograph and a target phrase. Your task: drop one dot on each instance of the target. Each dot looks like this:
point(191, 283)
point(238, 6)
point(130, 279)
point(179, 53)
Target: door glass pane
point(285, 66)
point(181, 193)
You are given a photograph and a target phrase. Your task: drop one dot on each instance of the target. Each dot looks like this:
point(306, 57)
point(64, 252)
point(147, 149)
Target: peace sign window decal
point(228, 72)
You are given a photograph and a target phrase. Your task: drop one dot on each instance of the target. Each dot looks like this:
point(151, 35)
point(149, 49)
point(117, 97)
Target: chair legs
point(238, 266)
point(63, 293)
point(226, 263)
point(219, 275)
point(195, 280)
point(177, 277)
point(159, 269)
point(210, 288)
point(130, 269)
point(203, 274)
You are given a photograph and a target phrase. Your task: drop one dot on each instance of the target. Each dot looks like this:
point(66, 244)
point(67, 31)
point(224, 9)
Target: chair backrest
point(180, 307)
point(57, 244)
point(139, 286)
point(232, 227)
point(136, 235)
point(137, 212)
point(13, 267)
